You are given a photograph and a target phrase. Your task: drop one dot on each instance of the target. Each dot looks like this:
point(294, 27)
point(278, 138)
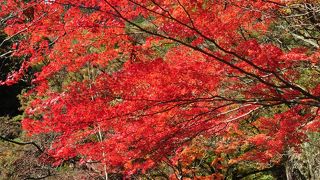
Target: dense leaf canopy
point(131, 83)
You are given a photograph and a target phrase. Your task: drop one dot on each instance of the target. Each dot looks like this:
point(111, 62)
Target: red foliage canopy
point(184, 69)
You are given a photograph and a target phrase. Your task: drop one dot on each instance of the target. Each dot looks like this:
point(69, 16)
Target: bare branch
point(22, 143)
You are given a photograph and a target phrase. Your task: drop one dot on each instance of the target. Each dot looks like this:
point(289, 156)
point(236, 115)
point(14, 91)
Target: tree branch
point(22, 143)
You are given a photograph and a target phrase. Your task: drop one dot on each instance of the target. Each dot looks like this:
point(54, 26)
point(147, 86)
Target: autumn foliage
point(134, 83)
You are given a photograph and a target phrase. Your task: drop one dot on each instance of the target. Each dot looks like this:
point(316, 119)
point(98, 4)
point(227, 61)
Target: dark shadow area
point(9, 102)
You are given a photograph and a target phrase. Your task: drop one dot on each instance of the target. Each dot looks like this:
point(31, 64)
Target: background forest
point(174, 89)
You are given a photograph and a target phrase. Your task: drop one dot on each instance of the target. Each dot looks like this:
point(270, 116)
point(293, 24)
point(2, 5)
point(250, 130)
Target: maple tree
point(130, 83)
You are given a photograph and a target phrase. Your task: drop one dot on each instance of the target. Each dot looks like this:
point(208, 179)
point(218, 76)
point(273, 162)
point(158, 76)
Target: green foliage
point(259, 176)
point(308, 160)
